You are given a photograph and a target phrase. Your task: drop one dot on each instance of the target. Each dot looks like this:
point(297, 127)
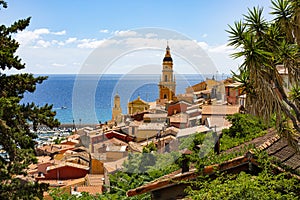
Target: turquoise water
point(59, 91)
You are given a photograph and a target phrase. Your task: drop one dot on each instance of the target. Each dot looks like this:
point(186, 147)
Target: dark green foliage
point(245, 186)
point(58, 194)
point(264, 185)
point(15, 136)
point(244, 125)
point(132, 176)
point(150, 148)
point(191, 141)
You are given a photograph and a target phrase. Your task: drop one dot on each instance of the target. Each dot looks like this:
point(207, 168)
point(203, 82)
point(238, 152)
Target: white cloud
point(151, 35)
point(26, 37)
point(49, 44)
point(41, 31)
point(71, 40)
point(58, 65)
point(43, 43)
point(29, 37)
point(204, 35)
point(203, 45)
point(59, 33)
point(104, 31)
point(125, 33)
point(89, 43)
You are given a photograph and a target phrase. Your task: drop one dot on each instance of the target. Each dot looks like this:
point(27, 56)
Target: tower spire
point(167, 85)
point(168, 53)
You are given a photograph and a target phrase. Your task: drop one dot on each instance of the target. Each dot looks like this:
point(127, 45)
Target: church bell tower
point(167, 84)
point(117, 110)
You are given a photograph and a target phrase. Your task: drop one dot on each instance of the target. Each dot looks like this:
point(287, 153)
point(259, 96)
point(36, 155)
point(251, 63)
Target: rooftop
point(68, 164)
point(155, 115)
point(189, 131)
point(271, 143)
point(151, 126)
point(220, 109)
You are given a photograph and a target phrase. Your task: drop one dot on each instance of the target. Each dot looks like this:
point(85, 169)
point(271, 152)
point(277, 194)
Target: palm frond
point(236, 36)
point(255, 21)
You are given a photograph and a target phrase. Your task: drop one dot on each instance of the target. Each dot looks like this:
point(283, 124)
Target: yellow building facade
point(137, 106)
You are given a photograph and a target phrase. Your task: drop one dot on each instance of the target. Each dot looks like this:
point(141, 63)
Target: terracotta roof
point(61, 183)
point(43, 159)
point(219, 109)
point(54, 183)
point(74, 137)
point(63, 164)
point(55, 148)
point(95, 179)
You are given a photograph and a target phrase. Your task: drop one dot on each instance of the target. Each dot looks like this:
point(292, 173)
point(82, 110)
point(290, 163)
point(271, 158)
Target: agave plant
point(264, 45)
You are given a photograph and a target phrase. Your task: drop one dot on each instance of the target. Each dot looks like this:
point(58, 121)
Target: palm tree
point(264, 45)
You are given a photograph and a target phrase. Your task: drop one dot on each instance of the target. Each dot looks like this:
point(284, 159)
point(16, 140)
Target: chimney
point(185, 160)
point(217, 142)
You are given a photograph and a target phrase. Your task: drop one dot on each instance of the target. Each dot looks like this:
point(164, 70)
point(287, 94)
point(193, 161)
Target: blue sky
point(63, 33)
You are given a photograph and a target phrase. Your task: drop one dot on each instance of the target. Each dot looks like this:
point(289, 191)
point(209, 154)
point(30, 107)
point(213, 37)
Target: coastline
point(69, 126)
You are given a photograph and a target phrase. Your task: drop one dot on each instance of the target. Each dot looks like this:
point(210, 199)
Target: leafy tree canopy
point(16, 139)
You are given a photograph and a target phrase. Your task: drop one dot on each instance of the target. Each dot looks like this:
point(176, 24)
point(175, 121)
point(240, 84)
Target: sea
point(88, 99)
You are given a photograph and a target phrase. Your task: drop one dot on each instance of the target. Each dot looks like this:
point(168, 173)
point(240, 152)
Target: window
point(166, 78)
